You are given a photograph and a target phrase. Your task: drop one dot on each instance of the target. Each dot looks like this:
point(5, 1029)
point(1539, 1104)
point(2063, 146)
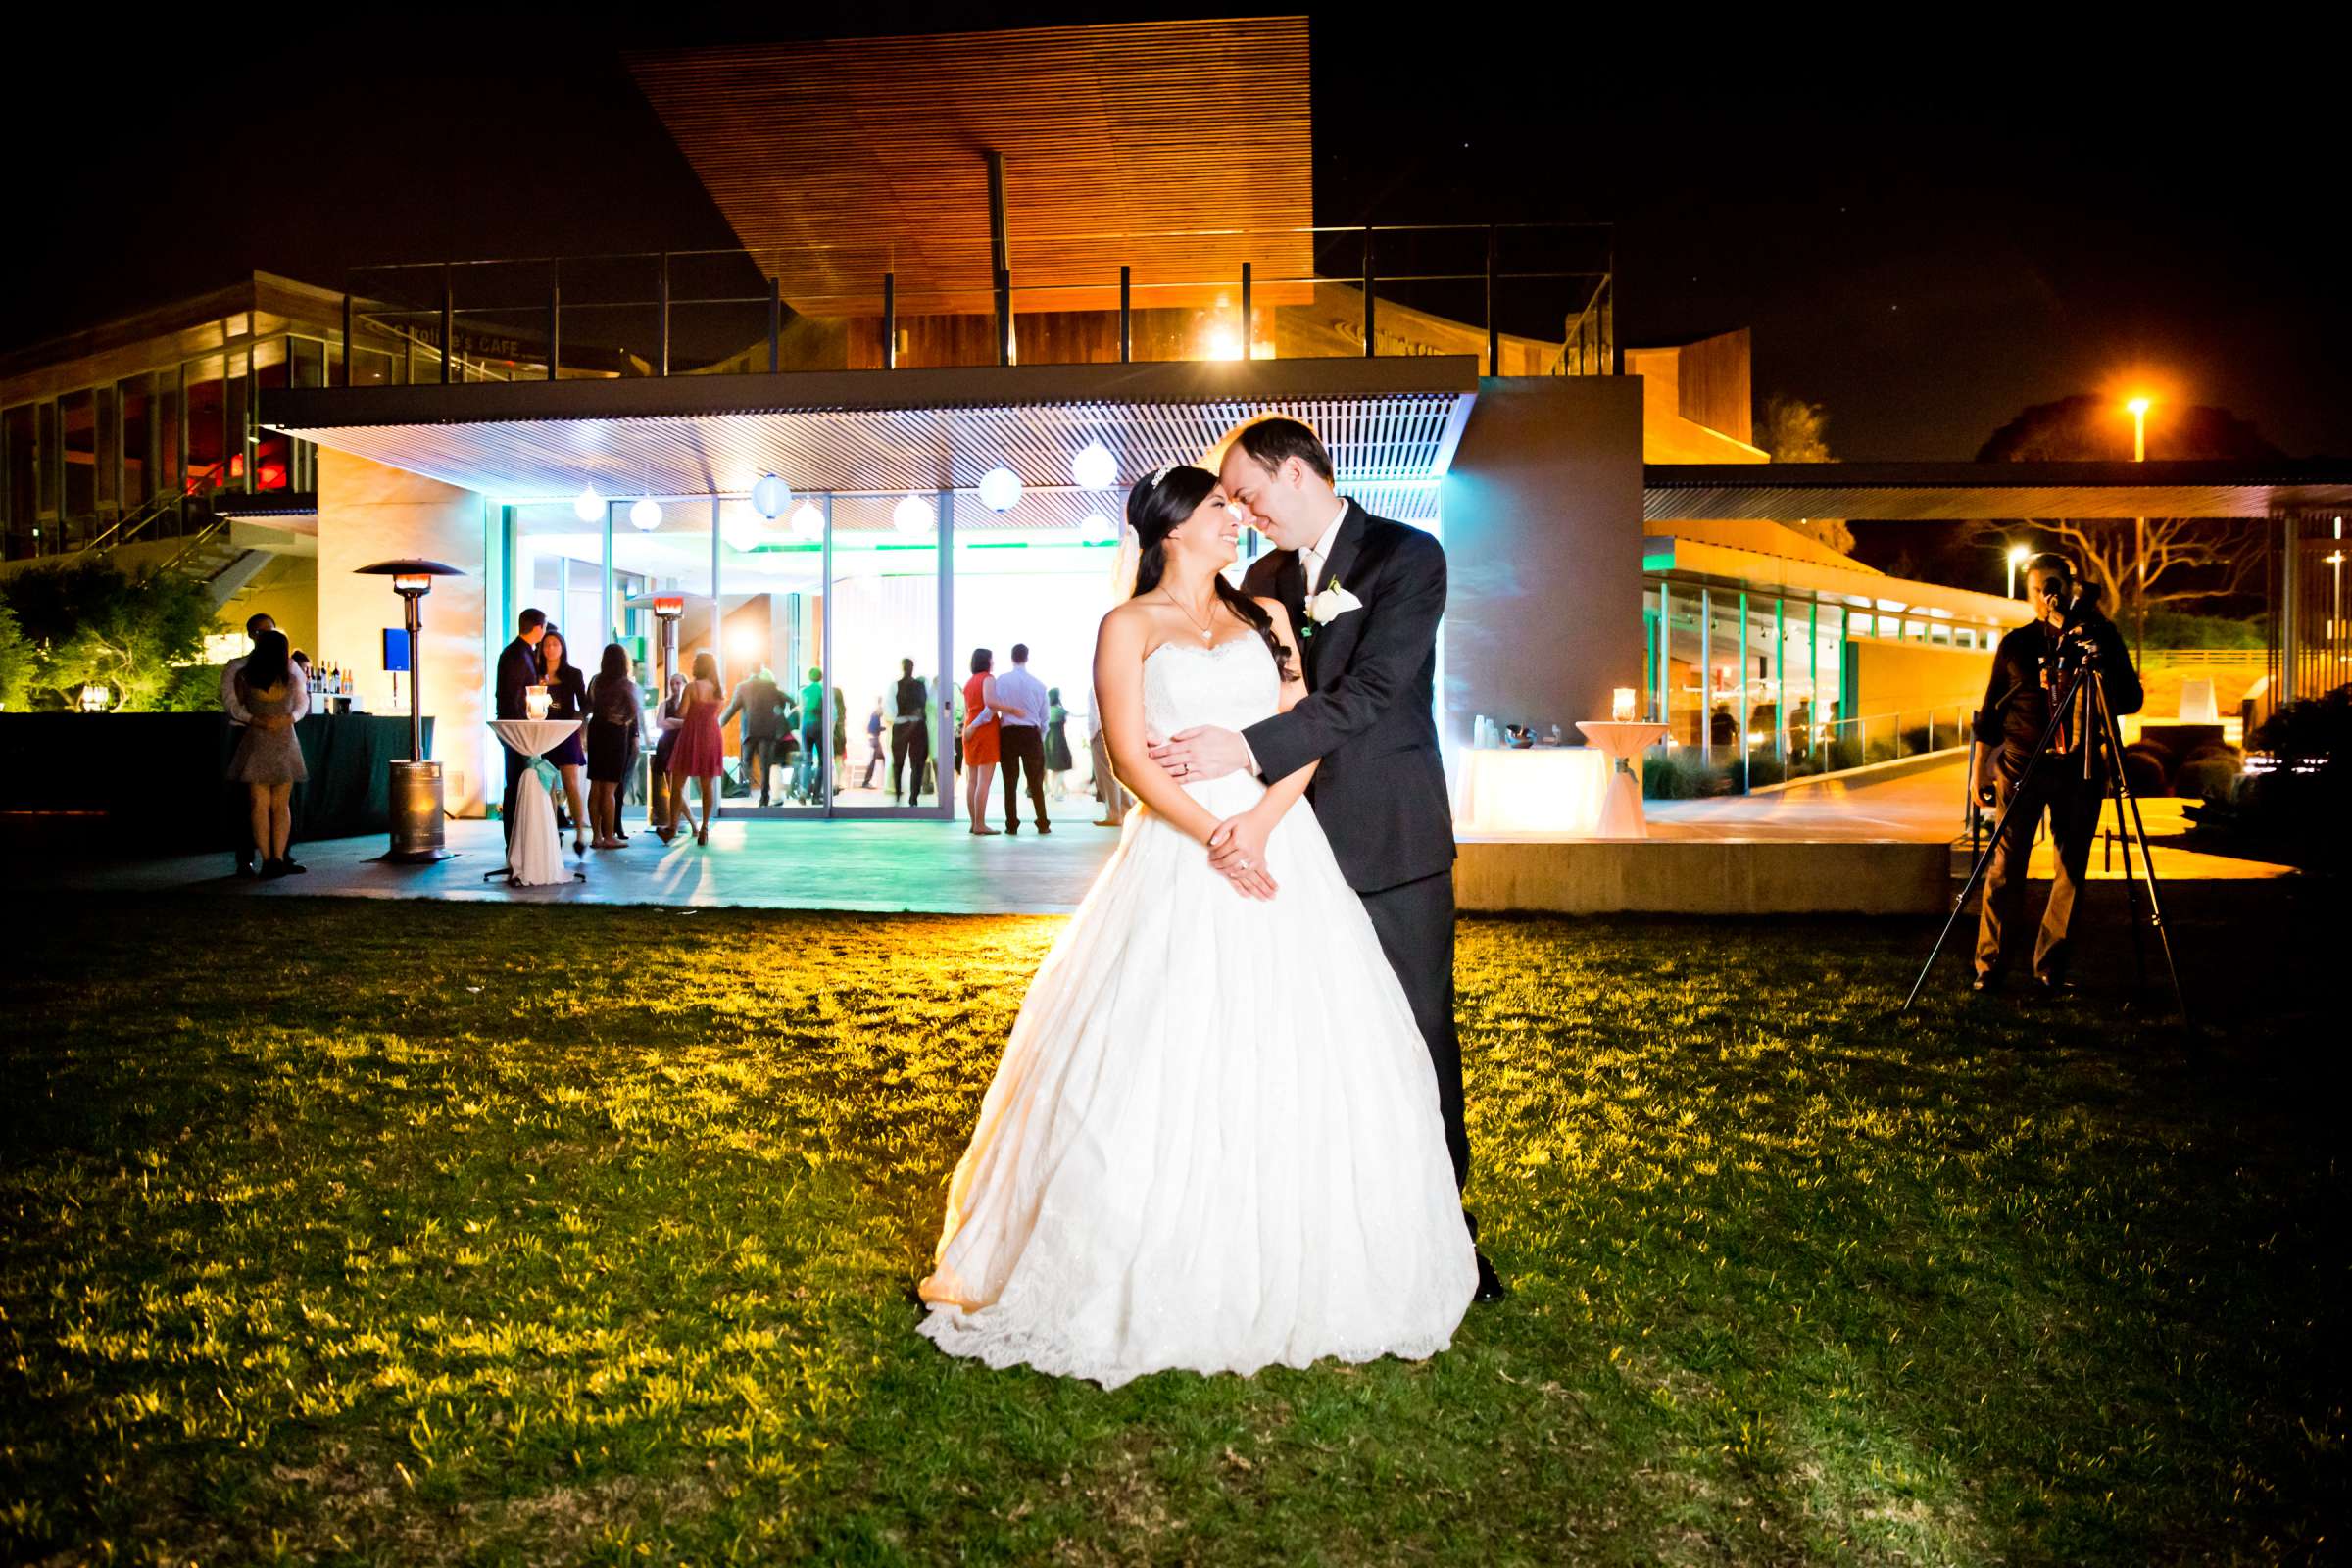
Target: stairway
point(213, 558)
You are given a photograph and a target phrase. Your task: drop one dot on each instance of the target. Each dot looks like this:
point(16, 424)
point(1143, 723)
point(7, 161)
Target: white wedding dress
point(1213, 1140)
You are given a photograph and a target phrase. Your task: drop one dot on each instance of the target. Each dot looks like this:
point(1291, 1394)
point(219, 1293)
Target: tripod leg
point(2139, 951)
point(2058, 714)
point(2139, 831)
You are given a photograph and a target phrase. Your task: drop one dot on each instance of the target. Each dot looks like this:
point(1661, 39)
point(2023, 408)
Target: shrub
point(15, 662)
point(1913, 741)
point(2145, 769)
point(1880, 751)
point(2208, 779)
point(1844, 753)
point(1765, 769)
point(90, 625)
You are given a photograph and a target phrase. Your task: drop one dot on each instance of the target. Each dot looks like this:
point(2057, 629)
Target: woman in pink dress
point(701, 752)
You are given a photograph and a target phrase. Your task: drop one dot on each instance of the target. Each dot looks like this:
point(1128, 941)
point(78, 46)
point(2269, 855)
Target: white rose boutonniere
point(1331, 603)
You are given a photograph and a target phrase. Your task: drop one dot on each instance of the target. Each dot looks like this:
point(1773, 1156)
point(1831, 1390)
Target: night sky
point(1923, 242)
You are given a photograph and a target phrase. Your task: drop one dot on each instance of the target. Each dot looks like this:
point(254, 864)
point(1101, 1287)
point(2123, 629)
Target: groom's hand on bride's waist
point(1202, 752)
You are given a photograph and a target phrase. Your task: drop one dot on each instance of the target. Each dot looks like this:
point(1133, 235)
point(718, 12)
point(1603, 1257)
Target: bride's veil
point(1123, 568)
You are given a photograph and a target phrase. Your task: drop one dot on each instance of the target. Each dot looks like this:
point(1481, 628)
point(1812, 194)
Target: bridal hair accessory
point(1163, 472)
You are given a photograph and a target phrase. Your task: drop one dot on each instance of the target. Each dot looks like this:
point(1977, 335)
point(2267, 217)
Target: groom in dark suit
point(518, 674)
point(1365, 595)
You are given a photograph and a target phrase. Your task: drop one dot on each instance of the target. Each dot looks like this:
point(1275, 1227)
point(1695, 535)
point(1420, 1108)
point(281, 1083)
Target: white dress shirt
point(1313, 557)
point(1022, 692)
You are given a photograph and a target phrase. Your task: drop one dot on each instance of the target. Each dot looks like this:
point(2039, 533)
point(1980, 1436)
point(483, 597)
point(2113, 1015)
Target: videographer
point(2031, 670)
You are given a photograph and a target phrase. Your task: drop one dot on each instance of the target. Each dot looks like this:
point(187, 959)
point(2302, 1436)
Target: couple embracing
point(1227, 1128)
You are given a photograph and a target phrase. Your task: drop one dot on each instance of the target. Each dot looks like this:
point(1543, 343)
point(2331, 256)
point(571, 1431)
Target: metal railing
point(1419, 290)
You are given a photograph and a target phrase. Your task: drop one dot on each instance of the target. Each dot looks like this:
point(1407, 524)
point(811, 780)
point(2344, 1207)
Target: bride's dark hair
point(1155, 508)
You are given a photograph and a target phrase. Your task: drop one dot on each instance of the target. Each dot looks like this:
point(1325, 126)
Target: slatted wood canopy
point(840, 160)
point(1388, 423)
point(1933, 492)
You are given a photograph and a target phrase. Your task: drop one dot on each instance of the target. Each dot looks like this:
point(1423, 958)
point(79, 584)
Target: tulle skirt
point(1213, 1140)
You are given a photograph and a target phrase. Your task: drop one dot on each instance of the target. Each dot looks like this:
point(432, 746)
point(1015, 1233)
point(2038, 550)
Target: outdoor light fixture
point(770, 496)
point(807, 522)
point(1094, 467)
point(416, 787)
point(1000, 489)
point(93, 699)
point(912, 516)
point(646, 514)
point(588, 505)
point(2019, 554)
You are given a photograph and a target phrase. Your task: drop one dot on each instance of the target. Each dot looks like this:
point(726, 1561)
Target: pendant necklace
point(1209, 633)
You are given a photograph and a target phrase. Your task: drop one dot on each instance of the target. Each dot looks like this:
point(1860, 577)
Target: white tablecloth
point(534, 852)
point(1543, 789)
point(1621, 742)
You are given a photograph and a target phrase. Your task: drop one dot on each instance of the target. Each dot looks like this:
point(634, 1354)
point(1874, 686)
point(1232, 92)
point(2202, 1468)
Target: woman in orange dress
point(979, 742)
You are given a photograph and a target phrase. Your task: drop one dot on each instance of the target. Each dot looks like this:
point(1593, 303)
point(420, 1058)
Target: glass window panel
point(45, 457)
point(18, 488)
point(885, 619)
point(77, 426)
point(772, 598)
point(207, 438)
point(141, 457)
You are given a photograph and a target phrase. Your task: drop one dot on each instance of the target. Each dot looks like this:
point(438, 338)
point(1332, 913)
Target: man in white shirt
point(1018, 700)
point(237, 802)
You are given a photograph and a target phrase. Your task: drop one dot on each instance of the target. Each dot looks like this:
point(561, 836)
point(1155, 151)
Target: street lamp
point(2139, 533)
point(2019, 554)
point(416, 790)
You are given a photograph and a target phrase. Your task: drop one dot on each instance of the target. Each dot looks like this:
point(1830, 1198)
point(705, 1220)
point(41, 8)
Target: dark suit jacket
point(517, 670)
point(1368, 717)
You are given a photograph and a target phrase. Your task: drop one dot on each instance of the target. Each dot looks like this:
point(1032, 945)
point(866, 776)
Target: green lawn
point(423, 1233)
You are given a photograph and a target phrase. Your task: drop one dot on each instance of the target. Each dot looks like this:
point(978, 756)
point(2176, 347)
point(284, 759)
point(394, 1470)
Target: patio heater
point(666, 608)
point(416, 789)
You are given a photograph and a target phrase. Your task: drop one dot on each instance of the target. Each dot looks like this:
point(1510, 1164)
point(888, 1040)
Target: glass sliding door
point(771, 607)
point(886, 638)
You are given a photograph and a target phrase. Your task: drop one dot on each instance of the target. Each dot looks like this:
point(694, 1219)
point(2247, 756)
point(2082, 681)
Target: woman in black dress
point(567, 698)
point(613, 728)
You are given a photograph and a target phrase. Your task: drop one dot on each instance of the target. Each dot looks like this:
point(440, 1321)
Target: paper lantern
point(1000, 489)
point(807, 522)
point(1094, 467)
point(646, 514)
point(588, 505)
point(770, 496)
point(912, 516)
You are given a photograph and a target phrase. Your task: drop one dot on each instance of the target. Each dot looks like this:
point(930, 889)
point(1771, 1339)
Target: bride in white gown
point(1213, 1141)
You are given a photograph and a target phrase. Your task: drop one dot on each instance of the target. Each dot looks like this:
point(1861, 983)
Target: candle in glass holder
point(534, 701)
point(1621, 704)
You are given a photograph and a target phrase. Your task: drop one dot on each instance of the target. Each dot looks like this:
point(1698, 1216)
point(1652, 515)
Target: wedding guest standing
point(701, 752)
point(758, 698)
point(613, 717)
point(567, 698)
point(269, 758)
point(909, 732)
point(875, 759)
point(239, 805)
point(518, 674)
point(1020, 701)
point(1107, 788)
point(979, 734)
point(1058, 742)
point(664, 810)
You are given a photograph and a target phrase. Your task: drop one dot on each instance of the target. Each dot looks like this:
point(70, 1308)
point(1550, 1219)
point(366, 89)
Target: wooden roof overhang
point(1950, 492)
point(1390, 423)
point(1139, 144)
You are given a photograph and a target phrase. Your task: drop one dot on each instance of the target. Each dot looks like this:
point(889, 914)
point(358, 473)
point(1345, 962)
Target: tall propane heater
point(416, 790)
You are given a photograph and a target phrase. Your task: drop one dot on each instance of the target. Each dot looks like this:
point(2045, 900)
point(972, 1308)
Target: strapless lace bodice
point(1232, 685)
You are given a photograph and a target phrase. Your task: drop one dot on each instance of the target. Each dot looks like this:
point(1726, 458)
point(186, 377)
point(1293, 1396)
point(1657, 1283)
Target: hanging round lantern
point(1000, 489)
point(646, 514)
point(912, 516)
point(770, 496)
point(741, 531)
point(807, 522)
point(1094, 467)
point(1097, 529)
point(588, 505)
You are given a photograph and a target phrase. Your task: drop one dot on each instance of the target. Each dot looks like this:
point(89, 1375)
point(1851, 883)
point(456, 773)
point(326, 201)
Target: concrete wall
point(1543, 523)
point(369, 513)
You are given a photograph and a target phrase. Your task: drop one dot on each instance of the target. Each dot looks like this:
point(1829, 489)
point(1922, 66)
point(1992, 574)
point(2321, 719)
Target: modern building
point(961, 320)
